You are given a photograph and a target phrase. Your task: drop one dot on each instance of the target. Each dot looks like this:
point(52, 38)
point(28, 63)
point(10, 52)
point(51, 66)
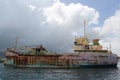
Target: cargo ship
point(84, 55)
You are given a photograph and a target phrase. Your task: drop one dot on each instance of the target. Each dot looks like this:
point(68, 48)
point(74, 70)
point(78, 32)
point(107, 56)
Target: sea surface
point(12, 73)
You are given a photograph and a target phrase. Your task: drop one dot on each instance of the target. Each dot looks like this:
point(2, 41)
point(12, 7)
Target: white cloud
point(72, 13)
point(110, 32)
point(32, 7)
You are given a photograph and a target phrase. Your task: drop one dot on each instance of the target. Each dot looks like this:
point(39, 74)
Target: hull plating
point(64, 61)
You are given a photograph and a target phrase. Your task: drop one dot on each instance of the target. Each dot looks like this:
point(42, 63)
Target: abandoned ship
point(84, 55)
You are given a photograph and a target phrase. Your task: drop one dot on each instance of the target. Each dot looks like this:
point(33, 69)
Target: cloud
point(49, 22)
point(110, 32)
point(66, 20)
point(64, 14)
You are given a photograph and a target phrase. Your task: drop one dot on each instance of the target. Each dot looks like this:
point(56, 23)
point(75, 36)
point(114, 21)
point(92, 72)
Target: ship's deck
point(91, 50)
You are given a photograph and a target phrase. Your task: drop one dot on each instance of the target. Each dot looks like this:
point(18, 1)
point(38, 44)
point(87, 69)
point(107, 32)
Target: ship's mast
point(85, 29)
point(110, 47)
point(16, 43)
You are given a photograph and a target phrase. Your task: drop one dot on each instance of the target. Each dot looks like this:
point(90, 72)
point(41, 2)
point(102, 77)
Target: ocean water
point(11, 73)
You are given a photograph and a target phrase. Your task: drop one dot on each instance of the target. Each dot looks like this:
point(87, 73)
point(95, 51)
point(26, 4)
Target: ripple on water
point(10, 73)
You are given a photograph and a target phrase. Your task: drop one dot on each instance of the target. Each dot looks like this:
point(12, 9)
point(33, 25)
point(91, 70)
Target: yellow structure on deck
point(81, 44)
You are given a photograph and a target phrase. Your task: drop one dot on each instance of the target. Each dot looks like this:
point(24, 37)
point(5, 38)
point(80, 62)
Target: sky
point(54, 23)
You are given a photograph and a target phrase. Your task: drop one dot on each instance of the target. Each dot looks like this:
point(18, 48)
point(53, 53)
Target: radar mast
point(85, 35)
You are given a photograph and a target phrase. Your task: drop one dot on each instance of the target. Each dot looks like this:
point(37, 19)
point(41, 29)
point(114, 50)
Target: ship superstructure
point(81, 44)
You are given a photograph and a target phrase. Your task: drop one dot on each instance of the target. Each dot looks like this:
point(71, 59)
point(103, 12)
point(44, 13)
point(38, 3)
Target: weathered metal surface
point(69, 60)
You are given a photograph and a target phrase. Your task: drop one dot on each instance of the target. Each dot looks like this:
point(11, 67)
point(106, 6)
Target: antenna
point(85, 29)
point(110, 47)
point(16, 43)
